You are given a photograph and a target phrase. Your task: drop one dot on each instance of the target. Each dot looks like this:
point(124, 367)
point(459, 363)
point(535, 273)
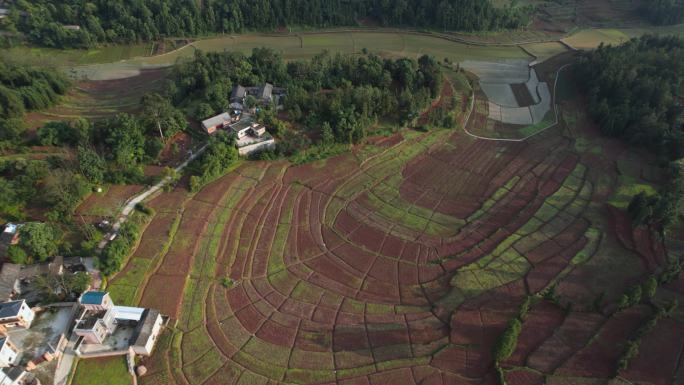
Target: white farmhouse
point(15, 314)
point(8, 352)
point(15, 376)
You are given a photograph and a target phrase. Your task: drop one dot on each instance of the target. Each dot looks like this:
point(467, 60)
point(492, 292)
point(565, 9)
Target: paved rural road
point(130, 205)
point(65, 362)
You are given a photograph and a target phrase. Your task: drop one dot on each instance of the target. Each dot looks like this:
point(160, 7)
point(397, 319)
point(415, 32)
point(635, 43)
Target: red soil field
point(600, 357)
point(659, 354)
point(327, 289)
point(164, 293)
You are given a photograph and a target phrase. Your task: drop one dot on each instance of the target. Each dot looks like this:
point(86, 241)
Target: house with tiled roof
point(15, 314)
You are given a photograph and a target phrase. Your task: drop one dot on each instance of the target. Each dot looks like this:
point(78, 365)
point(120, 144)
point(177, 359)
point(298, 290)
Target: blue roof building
point(96, 300)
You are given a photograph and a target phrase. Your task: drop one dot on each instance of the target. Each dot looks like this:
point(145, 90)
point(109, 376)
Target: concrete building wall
point(27, 315)
point(260, 146)
point(94, 335)
point(8, 354)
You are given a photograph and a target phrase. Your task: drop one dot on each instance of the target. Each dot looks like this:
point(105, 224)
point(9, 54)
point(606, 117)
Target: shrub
point(508, 340)
point(635, 294)
point(649, 287)
point(500, 375)
point(114, 254)
point(631, 352)
point(524, 308)
point(17, 255)
point(143, 208)
point(623, 303)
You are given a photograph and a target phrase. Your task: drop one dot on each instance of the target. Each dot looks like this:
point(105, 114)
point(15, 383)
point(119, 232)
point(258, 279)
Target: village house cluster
point(93, 326)
point(250, 136)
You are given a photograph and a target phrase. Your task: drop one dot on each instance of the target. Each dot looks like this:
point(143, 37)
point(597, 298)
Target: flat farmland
point(400, 266)
point(306, 45)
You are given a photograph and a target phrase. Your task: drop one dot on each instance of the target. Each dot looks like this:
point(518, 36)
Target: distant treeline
point(664, 12)
point(123, 21)
point(25, 88)
point(635, 89)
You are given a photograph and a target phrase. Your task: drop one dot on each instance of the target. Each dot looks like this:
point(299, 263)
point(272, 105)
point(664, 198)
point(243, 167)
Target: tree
point(10, 202)
point(123, 141)
point(203, 111)
point(64, 189)
point(327, 136)
point(91, 165)
point(160, 114)
point(56, 287)
point(12, 129)
point(38, 240)
point(250, 101)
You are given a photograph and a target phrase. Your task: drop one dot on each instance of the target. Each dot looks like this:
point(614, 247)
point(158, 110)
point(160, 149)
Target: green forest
point(338, 96)
point(25, 89)
point(121, 21)
point(332, 101)
point(664, 12)
point(634, 93)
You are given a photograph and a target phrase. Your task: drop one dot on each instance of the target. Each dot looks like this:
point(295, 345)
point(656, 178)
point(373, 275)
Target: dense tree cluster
point(661, 210)
point(37, 242)
point(358, 91)
point(340, 95)
point(663, 12)
point(114, 254)
point(112, 150)
point(634, 92)
point(144, 20)
point(219, 155)
point(26, 88)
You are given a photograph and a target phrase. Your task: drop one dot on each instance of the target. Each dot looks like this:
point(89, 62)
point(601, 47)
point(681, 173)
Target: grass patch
point(628, 188)
point(535, 128)
point(195, 344)
point(259, 366)
point(110, 371)
point(200, 370)
point(508, 267)
point(123, 295)
point(593, 236)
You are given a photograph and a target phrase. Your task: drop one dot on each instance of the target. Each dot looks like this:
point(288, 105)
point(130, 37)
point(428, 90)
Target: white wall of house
point(23, 319)
point(260, 146)
point(27, 314)
point(8, 354)
point(146, 350)
point(5, 380)
point(94, 335)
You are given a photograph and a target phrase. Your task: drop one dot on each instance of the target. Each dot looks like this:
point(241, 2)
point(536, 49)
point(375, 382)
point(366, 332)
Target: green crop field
point(308, 45)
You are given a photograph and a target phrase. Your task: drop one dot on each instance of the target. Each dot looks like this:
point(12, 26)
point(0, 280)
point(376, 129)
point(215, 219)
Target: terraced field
point(401, 262)
point(93, 99)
